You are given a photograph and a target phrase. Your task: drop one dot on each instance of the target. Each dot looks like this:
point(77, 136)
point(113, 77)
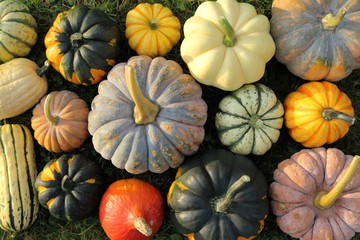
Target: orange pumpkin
point(318, 113)
point(60, 121)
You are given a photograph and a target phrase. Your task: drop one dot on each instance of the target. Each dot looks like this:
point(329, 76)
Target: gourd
point(60, 121)
point(22, 85)
point(317, 40)
point(318, 113)
point(152, 29)
point(70, 187)
point(315, 194)
point(18, 199)
point(218, 195)
point(148, 115)
point(227, 44)
point(18, 30)
point(131, 209)
point(249, 120)
point(83, 44)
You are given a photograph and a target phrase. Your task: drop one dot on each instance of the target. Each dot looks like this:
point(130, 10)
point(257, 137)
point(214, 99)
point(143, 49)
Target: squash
point(317, 40)
point(152, 29)
point(318, 113)
point(83, 44)
point(22, 85)
point(227, 44)
point(148, 115)
point(18, 199)
point(315, 194)
point(60, 121)
point(131, 209)
point(249, 120)
point(18, 30)
point(218, 195)
point(70, 187)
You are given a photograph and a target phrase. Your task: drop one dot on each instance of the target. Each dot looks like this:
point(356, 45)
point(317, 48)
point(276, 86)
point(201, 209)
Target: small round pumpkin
point(70, 187)
point(131, 209)
point(316, 195)
point(83, 44)
point(218, 195)
point(18, 30)
point(249, 120)
point(318, 113)
point(60, 121)
point(152, 29)
point(317, 40)
point(148, 115)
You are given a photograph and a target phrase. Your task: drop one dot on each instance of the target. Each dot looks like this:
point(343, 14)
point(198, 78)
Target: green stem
point(76, 39)
point(330, 22)
point(67, 184)
point(41, 71)
point(330, 114)
point(153, 25)
point(51, 118)
point(141, 225)
point(256, 122)
point(230, 38)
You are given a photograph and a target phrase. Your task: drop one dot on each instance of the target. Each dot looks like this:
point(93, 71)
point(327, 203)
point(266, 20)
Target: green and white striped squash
point(249, 120)
point(18, 30)
point(18, 200)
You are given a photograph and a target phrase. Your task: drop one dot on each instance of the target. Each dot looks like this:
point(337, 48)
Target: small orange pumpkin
point(60, 121)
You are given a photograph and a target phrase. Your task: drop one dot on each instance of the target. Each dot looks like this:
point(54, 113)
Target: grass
point(277, 77)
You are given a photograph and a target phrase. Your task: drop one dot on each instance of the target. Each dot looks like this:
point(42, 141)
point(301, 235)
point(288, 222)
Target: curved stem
point(330, 22)
point(330, 114)
point(66, 183)
point(51, 118)
point(141, 225)
point(230, 38)
point(145, 111)
point(153, 25)
point(324, 200)
point(41, 71)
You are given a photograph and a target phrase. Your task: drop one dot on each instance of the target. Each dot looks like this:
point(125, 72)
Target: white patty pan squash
point(227, 44)
point(148, 115)
point(249, 120)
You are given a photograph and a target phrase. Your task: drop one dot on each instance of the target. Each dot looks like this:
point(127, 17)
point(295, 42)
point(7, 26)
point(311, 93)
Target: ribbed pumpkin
point(218, 195)
point(318, 113)
point(18, 199)
point(18, 30)
point(60, 121)
point(249, 120)
point(152, 29)
point(317, 40)
point(70, 187)
point(22, 85)
point(148, 115)
point(83, 44)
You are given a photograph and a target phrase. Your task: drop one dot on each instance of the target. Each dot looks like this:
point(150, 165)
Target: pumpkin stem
point(324, 200)
point(153, 25)
point(223, 204)
point(145, 111)
point(230, 38)
point(51, 118)
point(256, 122)
point(330, 114)
point(41, 71)
point(141, 225)
point(67, 184)
point(330, 22)
point(76, 39)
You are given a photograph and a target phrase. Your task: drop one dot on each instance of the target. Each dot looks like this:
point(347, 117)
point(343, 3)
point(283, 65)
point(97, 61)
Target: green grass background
point(276, 77)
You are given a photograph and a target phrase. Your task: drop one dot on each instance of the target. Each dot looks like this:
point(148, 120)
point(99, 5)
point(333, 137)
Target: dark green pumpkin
point(70, 187)
point(218, 195)
point(83, 44)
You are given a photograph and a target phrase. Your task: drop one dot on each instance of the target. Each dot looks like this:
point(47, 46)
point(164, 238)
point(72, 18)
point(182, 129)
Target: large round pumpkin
point(316, 195)
point(317, 39)
point(148, 115)
point(83, 44)
point(218, 195)
point(18, 30)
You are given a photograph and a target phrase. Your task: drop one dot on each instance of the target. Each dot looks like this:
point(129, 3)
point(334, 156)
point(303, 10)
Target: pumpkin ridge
point(18, 39)
point(284, 213)
point(270, 110)
point(240, 102)
point(309, 173)
point(241, 138)
point(340, 218)
point(290, 180)
point(8, 51)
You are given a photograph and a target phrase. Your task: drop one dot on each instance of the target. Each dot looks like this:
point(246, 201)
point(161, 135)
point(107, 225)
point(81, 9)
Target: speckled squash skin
point(176, 130)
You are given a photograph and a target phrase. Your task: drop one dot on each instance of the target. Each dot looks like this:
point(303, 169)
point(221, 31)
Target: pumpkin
point(60, 121)
point(317, 40)
point(318, 113)
point(315, 194)
point(70, 187)
point(227, 44)
point(82, 44)
point(131, 209)
point(18, 30)
point(218, 195)
point(18, 199)
point(148, 115)
point(249, 120)
point(22, 85)
point(152, 29)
